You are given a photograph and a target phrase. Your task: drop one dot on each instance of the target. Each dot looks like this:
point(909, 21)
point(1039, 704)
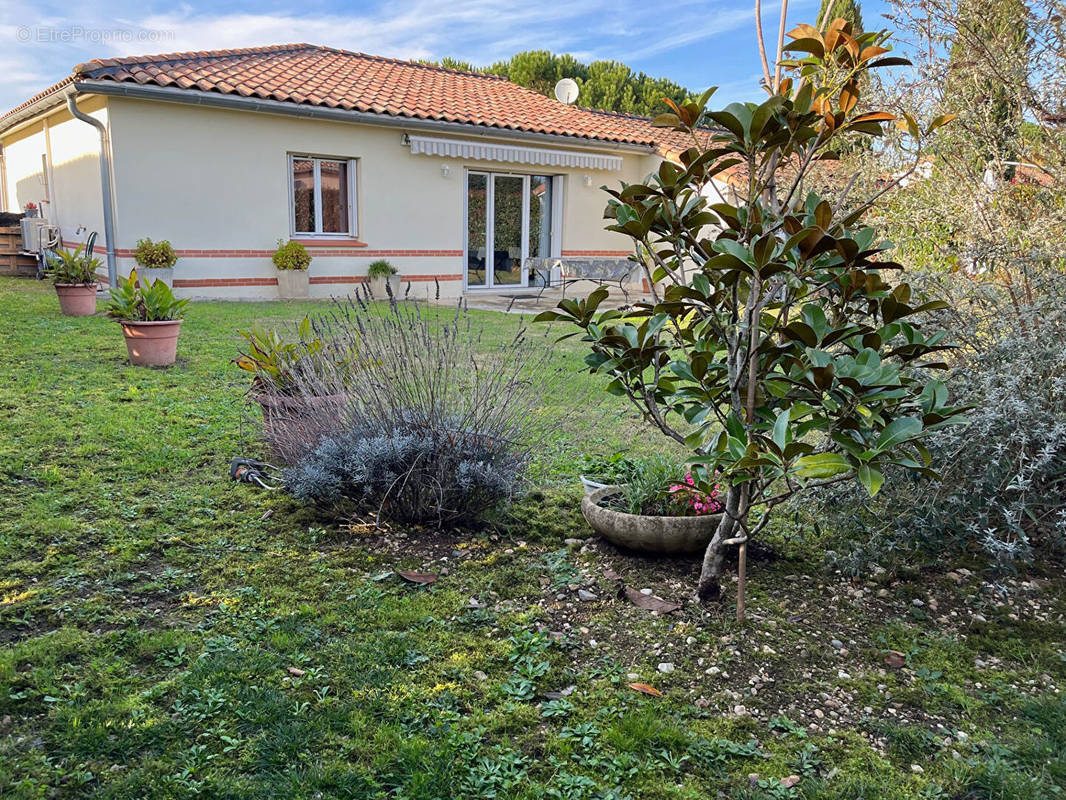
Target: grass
point(165, 632)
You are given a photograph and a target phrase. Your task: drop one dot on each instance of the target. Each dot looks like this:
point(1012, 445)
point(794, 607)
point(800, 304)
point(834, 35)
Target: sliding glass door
point(508, 219)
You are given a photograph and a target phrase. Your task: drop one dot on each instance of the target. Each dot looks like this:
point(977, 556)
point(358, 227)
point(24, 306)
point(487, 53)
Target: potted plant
point(598, 472)
point(284, 387)
point(74, 276)
point(291, 261)
point(655, 511)
point(384, 280)
point(31, 210)
point(151, 320)
point(155, 260)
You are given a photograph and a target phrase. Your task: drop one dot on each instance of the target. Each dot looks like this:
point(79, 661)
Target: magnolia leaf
point(650, 602)
point(870, 478)
point(780, 434)
point(821, 465)
point(898, 431)
point(417, 577)
point(644, 688)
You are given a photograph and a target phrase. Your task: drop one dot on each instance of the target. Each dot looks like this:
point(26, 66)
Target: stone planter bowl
point(668, 535)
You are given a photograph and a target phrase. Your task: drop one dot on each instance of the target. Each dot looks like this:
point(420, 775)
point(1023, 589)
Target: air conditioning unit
point(38, 232)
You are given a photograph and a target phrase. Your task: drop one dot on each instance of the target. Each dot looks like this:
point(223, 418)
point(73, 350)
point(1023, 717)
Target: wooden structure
point(12, 260)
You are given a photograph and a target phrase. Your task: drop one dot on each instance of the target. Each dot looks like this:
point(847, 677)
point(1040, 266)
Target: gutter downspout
point(105, 186)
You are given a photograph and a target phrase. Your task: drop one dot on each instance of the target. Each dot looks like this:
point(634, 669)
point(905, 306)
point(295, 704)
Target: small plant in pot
point(150, 317)
point(598, 472)
point(384, 280)
point(295, 404)
point(155, 260)
point(291, 261)
point(73, 273)
point(655, 510)
point(31, 210)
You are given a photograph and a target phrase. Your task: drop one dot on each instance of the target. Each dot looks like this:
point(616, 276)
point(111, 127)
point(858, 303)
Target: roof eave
point(237, 102)
point(42, 104)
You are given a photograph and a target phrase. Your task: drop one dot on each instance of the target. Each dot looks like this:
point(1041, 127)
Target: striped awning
point(511, 154)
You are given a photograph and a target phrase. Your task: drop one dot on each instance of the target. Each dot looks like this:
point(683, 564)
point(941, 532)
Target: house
point(456, 178)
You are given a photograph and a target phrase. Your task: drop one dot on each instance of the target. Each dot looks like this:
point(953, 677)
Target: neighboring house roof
point(332, 78)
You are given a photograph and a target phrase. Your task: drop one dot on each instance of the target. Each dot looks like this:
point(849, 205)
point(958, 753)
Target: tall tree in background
point(1000, 65)
point(989, 93)
point(605, 85)
point(842, 9)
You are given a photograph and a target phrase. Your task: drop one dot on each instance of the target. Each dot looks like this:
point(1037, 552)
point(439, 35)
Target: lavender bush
point(428, 421)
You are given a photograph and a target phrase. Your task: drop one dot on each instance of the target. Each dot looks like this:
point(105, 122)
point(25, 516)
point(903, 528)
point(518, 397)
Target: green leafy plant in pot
point(289, 384)
point(155, 260)
point(384, 280)
point(150, 317)
point(291, 262)
point(73, 273)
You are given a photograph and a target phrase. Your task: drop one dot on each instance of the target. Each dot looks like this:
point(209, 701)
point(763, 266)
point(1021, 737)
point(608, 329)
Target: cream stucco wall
point(215, 183)
point(70, 195)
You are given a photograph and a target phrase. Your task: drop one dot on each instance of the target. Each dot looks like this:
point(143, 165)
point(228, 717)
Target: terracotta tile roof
point(325, 76)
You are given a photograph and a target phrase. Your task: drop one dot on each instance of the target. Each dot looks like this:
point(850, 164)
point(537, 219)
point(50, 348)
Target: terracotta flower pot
point(152, 344)
point(649, 534)
point(293, 284)
point(76, 299)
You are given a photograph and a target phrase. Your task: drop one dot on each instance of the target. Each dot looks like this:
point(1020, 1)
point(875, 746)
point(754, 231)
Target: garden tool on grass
point(248, 470)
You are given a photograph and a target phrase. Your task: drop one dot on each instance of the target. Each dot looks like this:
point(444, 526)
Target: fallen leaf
point(790, 781)
point(299, 673)
point(611, 575)
point(895, 659)
point(643, 688)
point(416, 577)
point(650, 602)
point(267, 515)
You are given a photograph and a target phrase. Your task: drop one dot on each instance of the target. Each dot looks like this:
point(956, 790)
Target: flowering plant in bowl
point(694, 502)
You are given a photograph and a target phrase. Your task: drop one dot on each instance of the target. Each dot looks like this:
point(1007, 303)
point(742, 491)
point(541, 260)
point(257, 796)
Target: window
point(322, 195)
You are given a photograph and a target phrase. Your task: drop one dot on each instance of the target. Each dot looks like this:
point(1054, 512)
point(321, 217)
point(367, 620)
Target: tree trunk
point(710, 586)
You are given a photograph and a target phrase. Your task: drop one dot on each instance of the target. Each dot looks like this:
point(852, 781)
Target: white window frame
point(353, 215)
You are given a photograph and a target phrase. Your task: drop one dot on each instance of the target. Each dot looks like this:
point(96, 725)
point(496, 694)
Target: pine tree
point(848, 9)
point(605, 85)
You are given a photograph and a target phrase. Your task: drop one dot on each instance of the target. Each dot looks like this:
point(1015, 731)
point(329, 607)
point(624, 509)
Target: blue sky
point(694, 42)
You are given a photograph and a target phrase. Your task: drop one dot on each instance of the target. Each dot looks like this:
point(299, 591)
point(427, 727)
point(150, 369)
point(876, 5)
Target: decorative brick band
point(187, 283)
point(363, 279)
point(323, 251)
point(205, 283)
point(590, 253)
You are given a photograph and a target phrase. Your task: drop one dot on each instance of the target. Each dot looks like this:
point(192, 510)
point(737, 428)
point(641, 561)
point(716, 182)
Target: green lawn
point(165, 632)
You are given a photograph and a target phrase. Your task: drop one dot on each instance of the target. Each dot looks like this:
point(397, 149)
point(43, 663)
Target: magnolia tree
point(780, 350)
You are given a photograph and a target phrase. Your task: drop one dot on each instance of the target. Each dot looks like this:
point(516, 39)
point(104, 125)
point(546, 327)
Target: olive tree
point(781, 350)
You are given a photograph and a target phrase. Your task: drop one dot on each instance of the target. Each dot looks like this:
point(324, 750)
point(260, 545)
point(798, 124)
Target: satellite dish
point(566, 91)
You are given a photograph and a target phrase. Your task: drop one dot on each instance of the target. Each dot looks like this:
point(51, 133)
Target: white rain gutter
point(106, 189)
